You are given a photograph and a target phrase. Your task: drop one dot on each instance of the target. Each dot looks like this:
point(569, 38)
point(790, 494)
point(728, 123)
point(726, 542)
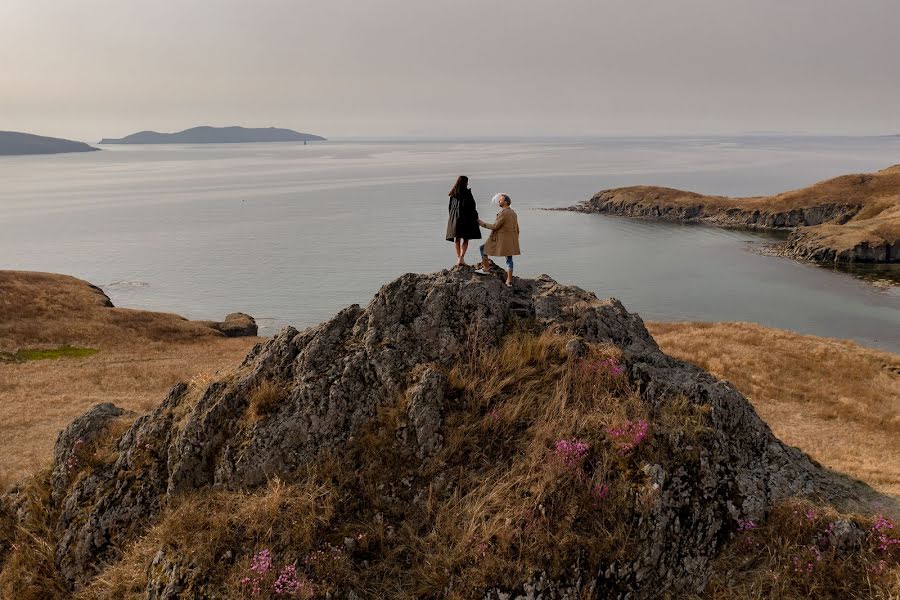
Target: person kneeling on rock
point(504, 238)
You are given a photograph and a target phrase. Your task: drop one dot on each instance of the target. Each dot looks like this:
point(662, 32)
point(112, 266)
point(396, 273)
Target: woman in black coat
point(462, 225)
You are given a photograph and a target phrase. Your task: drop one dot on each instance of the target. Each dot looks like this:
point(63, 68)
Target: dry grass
point(141, 355)
point(836, 400)
point(265, 397)
point(793, 556)
point(217, 533)
point(29, 569)
point(41, 310)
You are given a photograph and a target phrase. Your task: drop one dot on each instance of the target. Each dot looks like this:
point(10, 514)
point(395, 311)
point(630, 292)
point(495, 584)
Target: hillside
point(13, 143)
point(852, 218)
point(455, 438)
point(64, 348)
point(216, 135)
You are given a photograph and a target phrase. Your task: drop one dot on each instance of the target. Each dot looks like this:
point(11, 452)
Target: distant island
point(14, 143)
point(216, 135)
point(848, 219)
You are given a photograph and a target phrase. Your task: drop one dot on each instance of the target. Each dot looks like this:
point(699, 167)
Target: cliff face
point(387, 377)
point(852, 218)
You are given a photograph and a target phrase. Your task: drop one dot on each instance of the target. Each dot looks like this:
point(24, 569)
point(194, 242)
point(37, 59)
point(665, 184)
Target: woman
point(462, 225)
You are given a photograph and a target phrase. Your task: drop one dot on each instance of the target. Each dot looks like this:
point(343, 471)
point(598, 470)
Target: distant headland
point(14, 143)
point(216, 135)
point(848, 219)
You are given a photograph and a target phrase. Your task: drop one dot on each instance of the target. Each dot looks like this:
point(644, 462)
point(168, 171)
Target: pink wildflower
point(571, 452)
point(880, 529)
point(629, 434)
point(261, 562)
point(600, 491)
point(746, 525)
point(287, 582)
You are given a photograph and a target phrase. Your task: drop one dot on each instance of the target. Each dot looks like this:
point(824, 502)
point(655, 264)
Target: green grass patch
point(34, 354)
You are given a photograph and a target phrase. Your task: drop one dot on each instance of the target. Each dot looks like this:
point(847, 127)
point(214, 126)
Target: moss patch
point(35, 354)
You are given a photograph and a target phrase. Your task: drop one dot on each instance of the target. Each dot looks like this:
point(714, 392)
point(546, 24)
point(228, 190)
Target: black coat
point(463, 221)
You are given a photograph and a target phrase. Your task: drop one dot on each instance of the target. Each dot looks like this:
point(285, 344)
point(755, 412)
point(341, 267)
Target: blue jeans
point(509, 260)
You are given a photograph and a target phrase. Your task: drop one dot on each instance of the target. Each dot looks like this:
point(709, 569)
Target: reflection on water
point(882, 275)
point(291, 234)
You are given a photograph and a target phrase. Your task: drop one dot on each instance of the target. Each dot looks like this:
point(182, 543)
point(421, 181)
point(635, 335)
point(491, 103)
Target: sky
point(86, 69)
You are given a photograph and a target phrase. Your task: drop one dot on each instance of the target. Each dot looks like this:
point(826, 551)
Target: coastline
point(847, 220)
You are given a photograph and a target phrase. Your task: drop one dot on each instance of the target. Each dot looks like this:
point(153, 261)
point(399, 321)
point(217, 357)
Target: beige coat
point(504, 238)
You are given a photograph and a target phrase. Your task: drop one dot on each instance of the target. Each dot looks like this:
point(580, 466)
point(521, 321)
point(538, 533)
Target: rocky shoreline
point(846, 220)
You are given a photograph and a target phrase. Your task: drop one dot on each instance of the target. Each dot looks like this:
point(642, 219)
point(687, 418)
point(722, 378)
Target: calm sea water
point(292, 233)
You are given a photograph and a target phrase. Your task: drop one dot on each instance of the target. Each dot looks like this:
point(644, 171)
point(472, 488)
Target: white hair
point(497, 197)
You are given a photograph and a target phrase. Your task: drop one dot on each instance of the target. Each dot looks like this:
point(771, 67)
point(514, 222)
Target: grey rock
point(235, 325)
point(81, 433)
point(846, 536)
point(425, 409)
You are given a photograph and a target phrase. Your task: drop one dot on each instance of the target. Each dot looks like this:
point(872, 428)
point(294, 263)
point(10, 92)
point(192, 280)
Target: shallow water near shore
point(292, 233)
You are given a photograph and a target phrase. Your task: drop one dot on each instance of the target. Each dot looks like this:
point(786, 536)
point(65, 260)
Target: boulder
point(235, 325)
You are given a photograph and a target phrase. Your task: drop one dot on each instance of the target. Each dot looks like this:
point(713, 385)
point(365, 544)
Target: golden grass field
point(838, 401)
point(141, 355)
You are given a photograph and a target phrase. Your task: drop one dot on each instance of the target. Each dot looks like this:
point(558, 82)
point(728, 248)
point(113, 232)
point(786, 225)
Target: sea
point(291, 233)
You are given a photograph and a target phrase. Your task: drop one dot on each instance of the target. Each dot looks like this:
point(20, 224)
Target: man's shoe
point(481, 271)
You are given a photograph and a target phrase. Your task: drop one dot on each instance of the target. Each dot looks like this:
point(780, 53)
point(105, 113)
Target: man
point(504, 239)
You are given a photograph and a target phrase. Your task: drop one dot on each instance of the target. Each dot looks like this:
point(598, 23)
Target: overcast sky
point(345, 68)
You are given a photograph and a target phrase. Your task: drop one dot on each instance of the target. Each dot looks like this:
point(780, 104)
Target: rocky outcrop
point(646, 206)
point(337, 376)
point(817, 246)
point(235, 325)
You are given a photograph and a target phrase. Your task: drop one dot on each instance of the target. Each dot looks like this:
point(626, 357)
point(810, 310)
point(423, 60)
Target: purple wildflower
point(600, 491)
point(746, 525)
point(629, 434)
point(287, 582)
point(261, 562)
point(880, 529)
point(571, 452)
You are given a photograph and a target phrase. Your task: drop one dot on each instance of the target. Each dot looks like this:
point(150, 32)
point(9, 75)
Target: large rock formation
point(337, 376)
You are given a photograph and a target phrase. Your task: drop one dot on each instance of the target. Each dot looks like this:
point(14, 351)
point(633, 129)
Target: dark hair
point(462, 182)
